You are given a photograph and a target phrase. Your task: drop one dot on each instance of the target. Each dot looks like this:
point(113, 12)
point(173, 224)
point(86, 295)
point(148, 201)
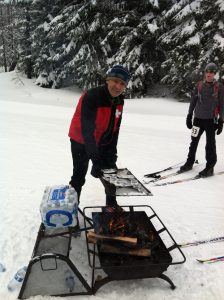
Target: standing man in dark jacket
point(207, 104)
point(95, 128)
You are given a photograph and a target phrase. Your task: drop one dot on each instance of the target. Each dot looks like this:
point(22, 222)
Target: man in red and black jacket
point(95, 128)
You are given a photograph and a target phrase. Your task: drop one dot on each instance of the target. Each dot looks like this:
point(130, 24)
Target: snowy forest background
point(73, 42)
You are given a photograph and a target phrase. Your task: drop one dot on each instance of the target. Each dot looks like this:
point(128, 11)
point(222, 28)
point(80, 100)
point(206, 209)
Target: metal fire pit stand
point(154, 269)
point(52, 257)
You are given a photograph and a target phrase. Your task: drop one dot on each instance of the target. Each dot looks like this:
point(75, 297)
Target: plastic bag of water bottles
point(59, 206)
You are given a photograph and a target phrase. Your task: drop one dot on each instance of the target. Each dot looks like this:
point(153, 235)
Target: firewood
point(117, 250)
point(94, 237)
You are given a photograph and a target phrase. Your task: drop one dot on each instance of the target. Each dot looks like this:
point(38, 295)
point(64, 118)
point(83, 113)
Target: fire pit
point(133, 244)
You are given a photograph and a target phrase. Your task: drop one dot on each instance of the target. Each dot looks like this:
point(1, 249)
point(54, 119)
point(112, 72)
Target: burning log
point(117, 250)
point(93, 238)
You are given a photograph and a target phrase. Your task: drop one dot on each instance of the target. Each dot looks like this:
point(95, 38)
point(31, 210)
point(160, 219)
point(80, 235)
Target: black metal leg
point(89, 220)
point(166, 278)
point(99, 283)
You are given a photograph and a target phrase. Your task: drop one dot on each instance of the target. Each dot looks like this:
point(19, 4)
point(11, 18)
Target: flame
point(117, 225)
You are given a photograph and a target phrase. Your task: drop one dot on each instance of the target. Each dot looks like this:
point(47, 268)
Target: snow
point(188, 28)
point(176, 7)
point(115, 20)
point(152, 27)
point(219, 39)
point(154, 2)
point(71, 45)
point(75, 19)
point(221, 4)
point(220, 25)
point(192, 7)
point(194, 40)
point(56, 19)
point(42, 80)
point(94, 26)
point(46, 26)
point(183, 8)
point(35, 152)
point(141, 69)
point(207, 24)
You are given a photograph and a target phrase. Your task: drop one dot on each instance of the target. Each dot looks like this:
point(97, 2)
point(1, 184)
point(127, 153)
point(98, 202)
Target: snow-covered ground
point(35, 152)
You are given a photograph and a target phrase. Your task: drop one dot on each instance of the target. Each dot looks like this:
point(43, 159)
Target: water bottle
point(2, 268)
point(17, 280)
point(69, 280)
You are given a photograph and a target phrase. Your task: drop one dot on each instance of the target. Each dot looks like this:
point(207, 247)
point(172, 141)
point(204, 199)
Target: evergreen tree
point(8, 34)
point(25, 62)
point(42, 13)
point(82, 40)
point(212, 34)
point(64, 46)
point(66, 42)
point(194, 38)
point(182, 44)
point(3, 46)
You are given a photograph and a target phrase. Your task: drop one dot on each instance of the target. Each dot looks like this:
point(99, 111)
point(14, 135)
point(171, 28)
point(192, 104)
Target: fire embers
point(119, 225)
point(125, 225)
point(124, 233)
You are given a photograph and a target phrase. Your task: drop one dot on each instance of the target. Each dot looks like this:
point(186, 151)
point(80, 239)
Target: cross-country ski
point(172, 167)
point(166, 176)
point(161, 177)
point(157, 174)
point(185, 179)
point(200, 242)
point(211, 260)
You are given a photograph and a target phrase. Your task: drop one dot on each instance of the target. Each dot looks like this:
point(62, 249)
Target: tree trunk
point(2, 28)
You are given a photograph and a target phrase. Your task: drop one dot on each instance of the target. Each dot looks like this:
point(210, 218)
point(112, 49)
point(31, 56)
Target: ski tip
point(152, 176)
point(200, 260)
point(180, 172)
point(188, 245)
point(148, 176)
point(210, 260)
point(182, 245)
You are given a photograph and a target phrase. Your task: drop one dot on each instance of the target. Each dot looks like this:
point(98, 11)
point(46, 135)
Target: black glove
point(96, 170)
point(219, 127)
point(189, 121)
point(108, 159)
point(110, 162)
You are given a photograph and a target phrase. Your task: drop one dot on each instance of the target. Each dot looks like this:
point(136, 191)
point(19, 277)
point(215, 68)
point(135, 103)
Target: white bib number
point(195, 131)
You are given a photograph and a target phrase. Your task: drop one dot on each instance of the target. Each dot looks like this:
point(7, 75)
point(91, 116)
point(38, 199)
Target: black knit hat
point(212, 67)
point(118, 72)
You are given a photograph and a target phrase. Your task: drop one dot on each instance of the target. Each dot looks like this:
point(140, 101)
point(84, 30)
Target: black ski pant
point(208, 126)
point(80, 168)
